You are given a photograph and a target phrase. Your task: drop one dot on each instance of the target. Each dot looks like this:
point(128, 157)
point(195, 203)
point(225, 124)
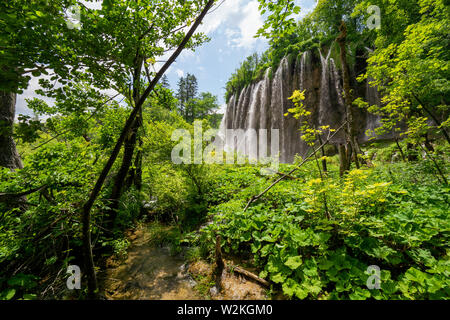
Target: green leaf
point(29, 296)
point(290, 287)
point(294, 262)
point(9, 293)
point(278, 278)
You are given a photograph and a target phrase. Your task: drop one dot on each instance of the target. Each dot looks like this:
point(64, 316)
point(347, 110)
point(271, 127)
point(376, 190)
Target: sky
point(231, 28)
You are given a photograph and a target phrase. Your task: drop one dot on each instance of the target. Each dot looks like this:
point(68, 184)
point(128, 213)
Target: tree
point(352, 148)
point(113, 49)
point(279, 23)
point(187, 91)
point(34, 40)
point(135, 50)
point(165, 82)
point(204, 105)
point(249, 70)
point(412, 73)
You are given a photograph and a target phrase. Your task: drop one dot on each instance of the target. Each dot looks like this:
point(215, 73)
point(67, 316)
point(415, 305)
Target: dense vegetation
point(192, 105)
point(392, 215)
point(66, 200)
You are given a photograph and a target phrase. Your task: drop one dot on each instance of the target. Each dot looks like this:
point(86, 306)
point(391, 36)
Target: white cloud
point(306, 7)
point(249, 25)
point(241, 18)
point(179, 72)
point(29, 93)
point(186, 54)
point(225, 13)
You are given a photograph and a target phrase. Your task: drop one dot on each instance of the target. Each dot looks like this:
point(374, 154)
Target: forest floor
point(153, 272)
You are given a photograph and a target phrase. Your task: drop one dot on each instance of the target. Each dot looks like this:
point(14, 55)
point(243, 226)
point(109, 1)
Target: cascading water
point(324, 86)
point(263, 105)
point(252, 124)
point(278, 103)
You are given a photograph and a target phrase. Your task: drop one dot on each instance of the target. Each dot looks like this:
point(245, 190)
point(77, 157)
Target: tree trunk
point(324, 161)
point(411, 152)
point(9, 157)
point(351, 131)
point(135, 174)
point(136, 179)
point(427, 143)
point(88, 258)
point(219, 265)
point(342, 160)
point(400, 149)
point(119, 180)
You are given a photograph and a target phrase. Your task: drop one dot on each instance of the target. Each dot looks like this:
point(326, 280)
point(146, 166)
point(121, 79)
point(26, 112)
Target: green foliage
point(412, 69)
point(27, 128)
point(251, 69)
point(379, 217)
point(160, 234)
point(129, 209)
point(19, 286)
point(392, 214)
point(279, 22)
point(44, 233)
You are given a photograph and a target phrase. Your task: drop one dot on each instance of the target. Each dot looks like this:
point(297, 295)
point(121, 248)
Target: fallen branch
point(7, 195)
point(254, 198)
point(248, 274)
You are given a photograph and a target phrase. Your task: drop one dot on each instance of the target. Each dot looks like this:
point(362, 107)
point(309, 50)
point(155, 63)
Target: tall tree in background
point(187, 91)
point(165, 82)
point(192, 106)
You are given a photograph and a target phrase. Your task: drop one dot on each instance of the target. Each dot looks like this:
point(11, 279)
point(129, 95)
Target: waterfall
point(303, 72)
point(252, 124)
point(335, 79)
point(262, 105)
point(279, 103)
point(238, 110)
point(373, 98)
point(264, 121)
point(324, 86)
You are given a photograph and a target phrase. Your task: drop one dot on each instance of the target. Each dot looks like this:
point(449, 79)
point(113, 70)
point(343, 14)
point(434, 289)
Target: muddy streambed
point(152, 272)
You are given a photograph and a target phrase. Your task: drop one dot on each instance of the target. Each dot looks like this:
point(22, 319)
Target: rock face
point(263, 105)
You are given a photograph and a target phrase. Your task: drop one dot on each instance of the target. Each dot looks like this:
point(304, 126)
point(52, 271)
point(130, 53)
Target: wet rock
point(213, 291)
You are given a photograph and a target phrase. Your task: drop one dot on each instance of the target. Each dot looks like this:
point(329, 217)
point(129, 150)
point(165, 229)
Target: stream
point(151, 272)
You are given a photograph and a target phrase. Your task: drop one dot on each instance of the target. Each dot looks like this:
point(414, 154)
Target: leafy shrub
point(379, 217)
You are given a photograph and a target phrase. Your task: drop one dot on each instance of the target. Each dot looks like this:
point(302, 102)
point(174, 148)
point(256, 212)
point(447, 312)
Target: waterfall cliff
point(263, 105)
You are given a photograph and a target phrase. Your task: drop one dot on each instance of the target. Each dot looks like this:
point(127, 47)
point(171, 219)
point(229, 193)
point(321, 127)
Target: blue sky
point(231, 27)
